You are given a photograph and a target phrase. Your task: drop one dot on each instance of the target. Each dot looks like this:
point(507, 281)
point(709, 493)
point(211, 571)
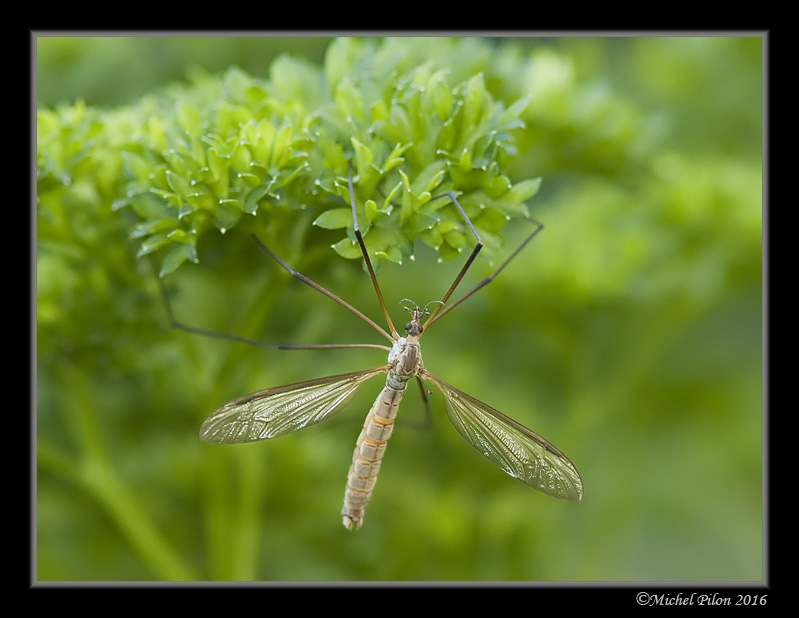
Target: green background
point(628, 333)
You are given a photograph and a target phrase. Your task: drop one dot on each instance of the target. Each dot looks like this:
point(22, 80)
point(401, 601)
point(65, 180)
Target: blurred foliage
point(628, 332)
point(201, 157)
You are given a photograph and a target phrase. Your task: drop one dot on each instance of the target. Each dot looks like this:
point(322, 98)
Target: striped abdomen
point(368, 453)
point(371, 444)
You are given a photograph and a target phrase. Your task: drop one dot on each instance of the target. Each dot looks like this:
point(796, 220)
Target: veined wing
point(277, 411)
point(521, 453)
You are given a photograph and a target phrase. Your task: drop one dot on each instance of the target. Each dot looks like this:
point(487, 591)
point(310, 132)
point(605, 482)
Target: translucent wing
point(277, 411)
point(520, 452)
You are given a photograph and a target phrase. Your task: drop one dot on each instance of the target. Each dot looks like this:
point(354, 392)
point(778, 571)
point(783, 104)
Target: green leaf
point(153, 243)
point(175, 256)
point(395, 158)
point(227, 214)
point(473, 107)
point(339, 59)
point(524, 190)
point(447, 252)
point(363, 160)
point(393, 254)
point(217, 162)
point(281, 151)
point(254, 196)
point(465, 160)
point(177, 183)
point(347, 249)
point(387, 207)
point(188, 118)
point(370, 208)
point(349, 100)
point(335, 218)
point(441, 95)
point(429, 178)
point(455, 239)
point(509, 119)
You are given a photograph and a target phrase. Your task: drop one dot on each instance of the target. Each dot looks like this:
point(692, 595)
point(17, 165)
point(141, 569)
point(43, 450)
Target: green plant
point(233, 147)
point(230, 151)
point(628, 331)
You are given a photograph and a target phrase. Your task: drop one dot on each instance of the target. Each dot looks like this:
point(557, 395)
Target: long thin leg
point(280, 346)
point(425, 422)
point(330, 295)
point(438, 314)
point(358, 235)
point(466, 266)
point(423, 391)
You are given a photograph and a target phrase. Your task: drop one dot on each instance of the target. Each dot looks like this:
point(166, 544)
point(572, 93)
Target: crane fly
point(273, 412)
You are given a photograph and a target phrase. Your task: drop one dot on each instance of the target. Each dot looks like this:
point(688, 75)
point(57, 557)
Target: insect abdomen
point(368, 454)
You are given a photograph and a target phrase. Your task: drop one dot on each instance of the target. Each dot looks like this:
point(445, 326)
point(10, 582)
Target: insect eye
point(408, 327)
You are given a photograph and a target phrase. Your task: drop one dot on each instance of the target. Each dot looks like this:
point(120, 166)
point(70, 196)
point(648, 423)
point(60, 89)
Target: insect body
point(404, 363)
point(273, 412)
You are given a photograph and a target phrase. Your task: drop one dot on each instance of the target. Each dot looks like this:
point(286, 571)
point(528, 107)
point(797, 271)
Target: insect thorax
point(405, 358)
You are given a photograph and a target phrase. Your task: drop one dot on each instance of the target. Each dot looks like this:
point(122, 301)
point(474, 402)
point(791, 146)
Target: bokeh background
point(629, 333)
